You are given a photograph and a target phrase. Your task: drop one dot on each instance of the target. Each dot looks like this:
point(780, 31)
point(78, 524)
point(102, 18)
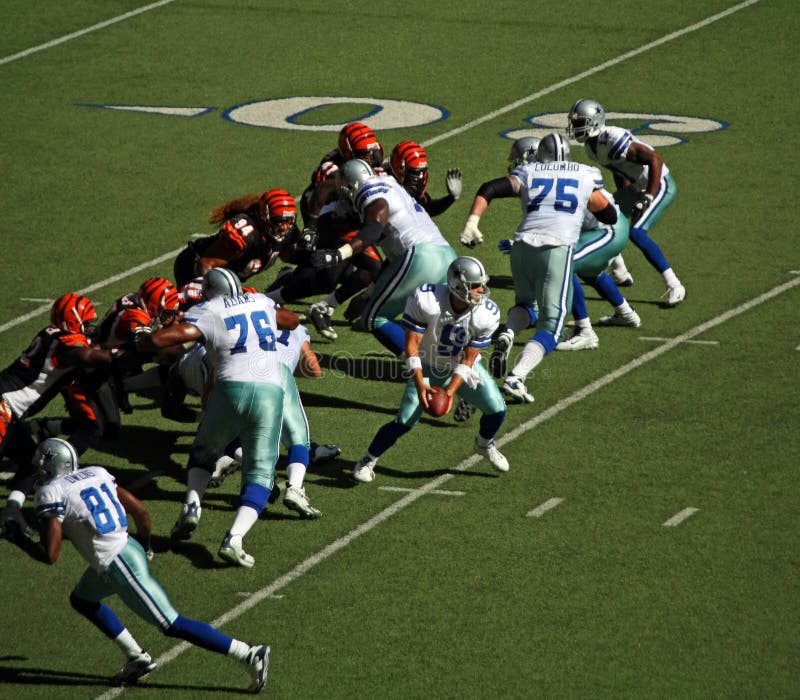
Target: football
point(439, 402)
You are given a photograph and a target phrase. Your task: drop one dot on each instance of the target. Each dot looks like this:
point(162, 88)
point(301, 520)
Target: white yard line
point(82, 32)
point(541, 509)
point(439, 492)
point(678, 518)
point(656, 339)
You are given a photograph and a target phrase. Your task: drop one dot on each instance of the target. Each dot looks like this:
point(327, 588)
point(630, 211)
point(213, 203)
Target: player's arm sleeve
point(500, 187)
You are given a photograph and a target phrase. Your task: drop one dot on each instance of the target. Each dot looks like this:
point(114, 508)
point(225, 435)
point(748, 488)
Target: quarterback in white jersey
point(645, 186)
point(239, 332)
point(555, 193)
point(88, 508)
point(446, 327)
point(417, 251)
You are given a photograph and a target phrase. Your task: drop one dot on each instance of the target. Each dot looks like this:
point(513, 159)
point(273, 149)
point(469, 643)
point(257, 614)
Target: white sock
point(295, 473)
point(583, 323)
point(238, 650)
point(130, 647)
point(532, 354)
point(670, 278)
point(623, 308)
point(245, 519)
point(617, 264)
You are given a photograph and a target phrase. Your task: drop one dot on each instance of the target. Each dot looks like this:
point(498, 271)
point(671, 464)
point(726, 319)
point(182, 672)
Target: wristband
point(345, 251)
point(413, 363)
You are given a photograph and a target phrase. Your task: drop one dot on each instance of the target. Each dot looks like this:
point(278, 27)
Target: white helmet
point(523, 151)
point(553, 147)
point(221, 282)
point(586, 118)
point(464, 275)
point(351, 176)
point(55, 457)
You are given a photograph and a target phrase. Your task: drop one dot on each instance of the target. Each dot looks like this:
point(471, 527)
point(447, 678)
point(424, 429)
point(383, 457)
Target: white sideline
point(434, 485)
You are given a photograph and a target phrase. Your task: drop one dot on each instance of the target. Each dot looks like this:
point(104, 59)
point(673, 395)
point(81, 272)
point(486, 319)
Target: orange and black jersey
point(32, 380)
point(121, 322)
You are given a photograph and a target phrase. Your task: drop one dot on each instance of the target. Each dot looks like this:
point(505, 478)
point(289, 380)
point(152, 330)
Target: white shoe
point(621, 279)
point(495, 457)
point(515, 388)
point(364, 471)
point(224, 467)
point(187, 521)
point(675, 295)
point(583, 339)
point(136, 667)
point(257, 660)
point(295, 499)
point(630, 319)
point(320, 315)
point(231, 550)
point(498, 362)
point(323, 453)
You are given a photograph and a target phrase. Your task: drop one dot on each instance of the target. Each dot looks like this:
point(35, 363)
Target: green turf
point(456, 595)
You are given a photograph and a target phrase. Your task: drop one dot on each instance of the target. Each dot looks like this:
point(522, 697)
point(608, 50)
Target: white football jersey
point(612, 146)
point(409, 224)
point(92, 517)
point(239, 334)
point(290, 345)
point(554, 197)
point(446, 333)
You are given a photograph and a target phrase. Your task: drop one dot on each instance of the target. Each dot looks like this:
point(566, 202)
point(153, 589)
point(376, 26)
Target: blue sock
point(490, 424)
point(650, 249)
point(386, 437)
point(392, 336)
point(200, 634)
point(546, 340)
point(101, 616)
point(298, 453)
point(579, 310)
point(606, 288)
point(254, 496)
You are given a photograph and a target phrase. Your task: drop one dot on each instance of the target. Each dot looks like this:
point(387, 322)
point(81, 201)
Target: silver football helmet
point(221, 282)
point(55, 457)
point(553, 147)
point(351, 176)
point(467, 280)
point(523, 151)
point(586, 118)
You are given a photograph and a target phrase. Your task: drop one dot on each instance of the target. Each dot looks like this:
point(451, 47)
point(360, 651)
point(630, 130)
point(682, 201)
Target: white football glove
point(471, 235)
point(453, 182)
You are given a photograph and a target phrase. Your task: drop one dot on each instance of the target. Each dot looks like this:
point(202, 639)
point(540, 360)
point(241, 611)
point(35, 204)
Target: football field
point(644, 543)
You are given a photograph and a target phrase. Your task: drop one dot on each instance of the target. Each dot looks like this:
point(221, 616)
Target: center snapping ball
point(439, 402)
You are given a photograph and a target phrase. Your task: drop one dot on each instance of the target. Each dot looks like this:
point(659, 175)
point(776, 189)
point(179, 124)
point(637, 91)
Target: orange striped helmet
point(72, 312)
point(357, 140)
point(409, 164)
point(160, 297)
point(281, 213)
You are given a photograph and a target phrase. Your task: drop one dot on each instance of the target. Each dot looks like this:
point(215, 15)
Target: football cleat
point(13, 523)
point(630, 319)
point(187, 521)
point(583, 339)
point(295, 499)
point(223, 468)
point(495, 457)
point(140, 665)
point(464, 411)
point(364, 471)
point(322, 453)
point(231, 550)
point(320, 315)
point(257, 660)
point(514, 387)
point(498, 362)
point(621, 279)
point(675, 295)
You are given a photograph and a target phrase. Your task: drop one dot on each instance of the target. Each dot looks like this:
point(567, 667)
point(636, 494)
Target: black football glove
point(307, 241)
point(640, 206)
point(325, 257)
